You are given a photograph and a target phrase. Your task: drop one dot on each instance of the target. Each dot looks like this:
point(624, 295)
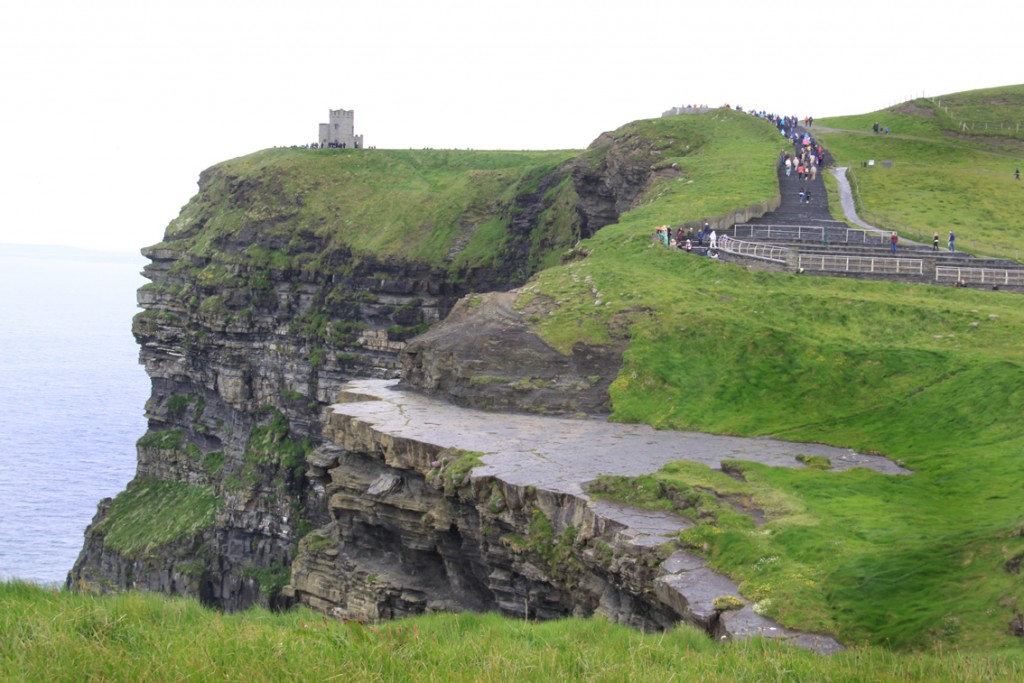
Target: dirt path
point(847, 202)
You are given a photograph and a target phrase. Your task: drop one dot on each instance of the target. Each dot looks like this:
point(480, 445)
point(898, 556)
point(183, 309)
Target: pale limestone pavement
point(563, 454)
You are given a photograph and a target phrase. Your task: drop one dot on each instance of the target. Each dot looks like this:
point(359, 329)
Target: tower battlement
point(339, 131)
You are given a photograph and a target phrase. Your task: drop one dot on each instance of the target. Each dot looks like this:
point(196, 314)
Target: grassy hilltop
point(953, 157)
point(445, 208)
point(920, 573)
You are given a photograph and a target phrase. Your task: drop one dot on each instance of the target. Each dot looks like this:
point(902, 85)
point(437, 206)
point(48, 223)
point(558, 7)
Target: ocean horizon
point(72, 399)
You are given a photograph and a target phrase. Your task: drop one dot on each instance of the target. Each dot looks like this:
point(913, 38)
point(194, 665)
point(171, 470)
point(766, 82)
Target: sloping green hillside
point(990, 116)
point(953, 161)
point(928, 376)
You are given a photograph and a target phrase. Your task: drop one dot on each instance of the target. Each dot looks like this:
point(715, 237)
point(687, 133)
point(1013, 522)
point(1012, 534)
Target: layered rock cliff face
point(611, 176)
point(254, 318)
point(411, 532)
point(484, 355)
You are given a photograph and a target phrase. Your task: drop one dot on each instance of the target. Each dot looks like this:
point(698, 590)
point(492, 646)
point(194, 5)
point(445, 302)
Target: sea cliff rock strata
point(612, 175)
point(433, 507)
point(242, 359)
point(255, 317)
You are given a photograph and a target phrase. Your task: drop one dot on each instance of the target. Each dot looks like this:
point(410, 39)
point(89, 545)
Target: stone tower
point(340, 130)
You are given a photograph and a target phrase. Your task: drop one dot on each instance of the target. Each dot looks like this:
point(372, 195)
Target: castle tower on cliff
point(340, 130)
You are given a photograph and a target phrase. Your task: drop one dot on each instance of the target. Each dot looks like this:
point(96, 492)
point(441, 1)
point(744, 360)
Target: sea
point(72, 400)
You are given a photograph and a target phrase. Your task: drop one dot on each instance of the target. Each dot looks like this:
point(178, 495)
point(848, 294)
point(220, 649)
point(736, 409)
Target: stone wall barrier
point(725, 221)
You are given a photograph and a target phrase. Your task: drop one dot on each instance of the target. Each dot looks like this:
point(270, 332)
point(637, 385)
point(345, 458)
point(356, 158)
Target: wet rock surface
point(515, 532)
point(563, 453)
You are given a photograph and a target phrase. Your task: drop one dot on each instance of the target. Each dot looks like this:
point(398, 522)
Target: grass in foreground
point(57, 636)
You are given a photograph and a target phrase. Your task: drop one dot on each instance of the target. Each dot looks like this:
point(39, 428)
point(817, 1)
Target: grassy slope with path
point(942, 178)
point(925, 375)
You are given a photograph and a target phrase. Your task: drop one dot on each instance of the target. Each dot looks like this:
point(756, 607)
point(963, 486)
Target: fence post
point(793, 259)
point(930, 261)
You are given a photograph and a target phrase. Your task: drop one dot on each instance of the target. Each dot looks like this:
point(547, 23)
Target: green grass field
point(390, 203)
point(56, 636)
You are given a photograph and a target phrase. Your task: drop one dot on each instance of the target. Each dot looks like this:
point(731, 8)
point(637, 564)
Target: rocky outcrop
point(412, 531)
point(484, 355)
point(610, 176)
point(247, 333)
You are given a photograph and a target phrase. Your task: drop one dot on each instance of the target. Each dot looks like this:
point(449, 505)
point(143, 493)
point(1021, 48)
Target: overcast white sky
point(111, 108)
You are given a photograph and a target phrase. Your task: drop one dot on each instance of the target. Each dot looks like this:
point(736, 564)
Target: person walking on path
point(935, 242)
point(893, 240)
point(952, 241)
point(714, 240)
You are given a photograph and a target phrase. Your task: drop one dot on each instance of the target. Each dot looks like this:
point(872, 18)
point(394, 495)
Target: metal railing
point(809, 232)
point(983, 276)
point(766, 252)
point(799, 232)
point(861, 264)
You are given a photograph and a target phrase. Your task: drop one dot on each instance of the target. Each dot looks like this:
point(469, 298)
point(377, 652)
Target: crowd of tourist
point(690, 242)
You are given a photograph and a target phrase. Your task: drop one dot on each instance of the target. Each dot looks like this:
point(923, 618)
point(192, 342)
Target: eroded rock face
point(484, 355)
point(407, 536)
point(610, 177)
point(248, 333)
point(242, 361)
